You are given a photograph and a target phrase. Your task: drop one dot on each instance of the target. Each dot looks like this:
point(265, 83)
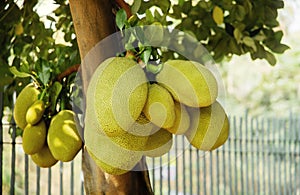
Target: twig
point(67, 72)
point(125, 6)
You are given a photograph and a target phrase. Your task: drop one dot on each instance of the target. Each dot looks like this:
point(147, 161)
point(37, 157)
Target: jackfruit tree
point(40, 59)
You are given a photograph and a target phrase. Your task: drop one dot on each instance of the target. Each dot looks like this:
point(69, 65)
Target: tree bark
point(94, 21)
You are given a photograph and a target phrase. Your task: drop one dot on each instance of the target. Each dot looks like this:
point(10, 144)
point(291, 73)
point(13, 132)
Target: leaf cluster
point(30, 50)
point(224, 28)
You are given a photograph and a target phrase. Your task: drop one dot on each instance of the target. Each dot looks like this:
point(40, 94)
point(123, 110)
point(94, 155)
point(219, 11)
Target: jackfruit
point(34, 137)
point(108, 155)
point(143, 127)
point(25, 99)
point(35, 112)
point(159, 107)
point(189, 82)
point(106, 167)
point(159, 144)
point(44, 158)
point(209, 127)
point(63, 138)
point(115, 96)
point(182, 120)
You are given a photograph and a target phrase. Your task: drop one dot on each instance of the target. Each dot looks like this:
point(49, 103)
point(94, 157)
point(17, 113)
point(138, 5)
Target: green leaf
point(17, 73)
point(145, 56)
point(154, 68)
point(249, 42)
point(54, 92)
point(121, 18)
point(135, 6)
point(154, 34)
point(270, 58)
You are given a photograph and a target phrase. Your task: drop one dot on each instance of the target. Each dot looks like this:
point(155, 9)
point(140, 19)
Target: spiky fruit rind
point(34, 137)
point(209, 127)
point(25, 99)
point(63, 137)
point(35, 112)
point(159, 107)
point(109, 153)
point(116, 96)
point(44, 158)
point(189, 82)
point(182, 121)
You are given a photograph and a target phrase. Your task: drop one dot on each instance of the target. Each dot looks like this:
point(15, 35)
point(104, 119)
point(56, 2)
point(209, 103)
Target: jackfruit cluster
point(45, 143)
point(128, 117)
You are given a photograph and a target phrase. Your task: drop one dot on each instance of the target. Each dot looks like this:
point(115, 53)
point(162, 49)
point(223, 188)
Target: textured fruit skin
point(209, 128)
point(189, 82)
point(182, 120)
point(35, 112)
point(25, 99)
point(158, 143)
point(34, 137)
point(159, 107)
point(116, 96)
point(63, 138)
point(44, 158)
point(109, 156)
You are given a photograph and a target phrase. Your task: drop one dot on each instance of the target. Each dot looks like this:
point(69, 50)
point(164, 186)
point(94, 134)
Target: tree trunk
point(93, 21)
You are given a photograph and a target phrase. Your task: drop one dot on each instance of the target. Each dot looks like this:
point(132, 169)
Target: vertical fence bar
point(230, 156)
point(204, 173)
point(211, 173)
point(274, 156)
point(1, 138)
point(169, 175)
point(38, 179)
point(191, 170)
point(217, 170)
point(285, 155)
point(257, 135)
point(183, 165)
point(61, 167)
point(13, 152)
point(26, 178)
point(160, 176)
point(153, 174)
point(198, 171)
point(246, 151)
point(224, 167)
point(176, 164)
point(72, 178)
point(49, 180)
point(262, 148)
point(269, 154)
point(241, 154)
point(252, 155)
point(235, 155)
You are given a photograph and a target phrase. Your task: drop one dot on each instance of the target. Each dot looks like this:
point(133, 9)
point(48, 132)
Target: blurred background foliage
point(38, 37)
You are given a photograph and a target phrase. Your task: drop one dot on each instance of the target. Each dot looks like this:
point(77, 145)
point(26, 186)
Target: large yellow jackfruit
point(189, 82)
point(34, 137)
point(182, 120)
point(44, 158)
point(158, 143)
point(159, 107)
point(35, 112)
point(25, 99)
point(209, 127)
point(109, 156)
point(115, 96)
point(63, 138)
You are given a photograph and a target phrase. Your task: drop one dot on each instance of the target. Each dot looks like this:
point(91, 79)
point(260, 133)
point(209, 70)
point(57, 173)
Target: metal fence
point(261, 156)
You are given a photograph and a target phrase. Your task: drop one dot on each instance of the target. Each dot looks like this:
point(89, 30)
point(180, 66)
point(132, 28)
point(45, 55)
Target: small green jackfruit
point(116, 96)
point(63, 138)
point(159, 144)
point(182, 121)
point(25, 99)
point(189, 82)
point(209, 127)
point(34, 137)
point(35, 112)
point(159, 107)
point(44, 158)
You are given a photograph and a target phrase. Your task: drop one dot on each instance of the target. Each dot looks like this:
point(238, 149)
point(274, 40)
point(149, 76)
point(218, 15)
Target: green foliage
point(30, 51)
point(246, 26)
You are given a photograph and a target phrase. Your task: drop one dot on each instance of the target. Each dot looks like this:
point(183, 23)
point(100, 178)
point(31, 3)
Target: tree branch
point(67, 72)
